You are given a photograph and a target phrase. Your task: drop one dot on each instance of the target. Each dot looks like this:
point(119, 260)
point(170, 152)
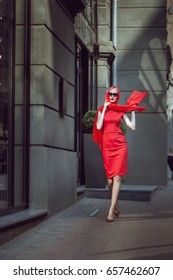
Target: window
point(6, 89)
point(13, 105)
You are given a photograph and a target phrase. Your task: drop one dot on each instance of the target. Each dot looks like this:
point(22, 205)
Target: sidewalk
point(143, 231)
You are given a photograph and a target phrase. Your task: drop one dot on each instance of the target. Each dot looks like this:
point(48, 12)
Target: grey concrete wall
point(104, 21)
point(141, 65)
point(106, 49)
point(52, 159)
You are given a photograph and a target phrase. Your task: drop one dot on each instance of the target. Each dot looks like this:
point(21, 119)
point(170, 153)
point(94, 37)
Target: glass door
point(14, 104)
point(6, 89)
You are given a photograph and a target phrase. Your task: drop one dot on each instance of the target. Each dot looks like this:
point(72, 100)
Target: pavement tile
point(143, 231)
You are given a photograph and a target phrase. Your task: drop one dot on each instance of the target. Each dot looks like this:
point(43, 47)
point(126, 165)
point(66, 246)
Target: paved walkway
point(143, 231)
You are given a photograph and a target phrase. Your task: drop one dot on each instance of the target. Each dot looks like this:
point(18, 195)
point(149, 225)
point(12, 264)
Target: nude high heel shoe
point(109, 219)
point(117, 212)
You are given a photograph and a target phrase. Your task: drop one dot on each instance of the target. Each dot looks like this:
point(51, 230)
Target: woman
point(112, 140)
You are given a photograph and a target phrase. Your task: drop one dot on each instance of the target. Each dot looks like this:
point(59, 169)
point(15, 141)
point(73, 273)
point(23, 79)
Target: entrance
point(81, 105)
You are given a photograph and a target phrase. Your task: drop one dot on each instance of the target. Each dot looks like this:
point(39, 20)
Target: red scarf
point(131, 105)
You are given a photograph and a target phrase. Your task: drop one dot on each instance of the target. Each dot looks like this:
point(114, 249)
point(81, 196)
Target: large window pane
point(6, 35)
point(12, 28)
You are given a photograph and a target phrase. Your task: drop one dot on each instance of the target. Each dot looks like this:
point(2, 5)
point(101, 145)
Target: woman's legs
point(116, 184)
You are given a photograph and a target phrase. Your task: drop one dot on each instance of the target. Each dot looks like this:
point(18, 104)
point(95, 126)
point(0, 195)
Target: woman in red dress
point(113, 142)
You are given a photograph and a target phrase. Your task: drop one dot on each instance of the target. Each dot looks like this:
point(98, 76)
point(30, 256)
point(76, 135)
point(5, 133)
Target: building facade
point(142, 65)
point(57, 59)
point(49, 76)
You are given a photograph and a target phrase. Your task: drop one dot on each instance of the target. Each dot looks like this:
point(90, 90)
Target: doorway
point(82, 57)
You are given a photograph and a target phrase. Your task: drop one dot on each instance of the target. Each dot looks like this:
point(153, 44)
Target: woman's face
point(113, 95)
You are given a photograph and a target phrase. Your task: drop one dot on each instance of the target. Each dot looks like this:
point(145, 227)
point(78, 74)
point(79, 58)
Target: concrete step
point(127, 192)
point(19, 222)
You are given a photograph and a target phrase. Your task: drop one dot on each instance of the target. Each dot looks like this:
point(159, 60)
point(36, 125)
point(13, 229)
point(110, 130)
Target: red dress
point(110, 138)
point(113, 145)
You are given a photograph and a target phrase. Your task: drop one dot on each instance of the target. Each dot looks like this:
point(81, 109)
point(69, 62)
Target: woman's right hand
point(100, 118)
point(106, 103)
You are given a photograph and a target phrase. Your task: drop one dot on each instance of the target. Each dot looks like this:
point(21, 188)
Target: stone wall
point(53, 156)
point(106, 49)
point(141, 64)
